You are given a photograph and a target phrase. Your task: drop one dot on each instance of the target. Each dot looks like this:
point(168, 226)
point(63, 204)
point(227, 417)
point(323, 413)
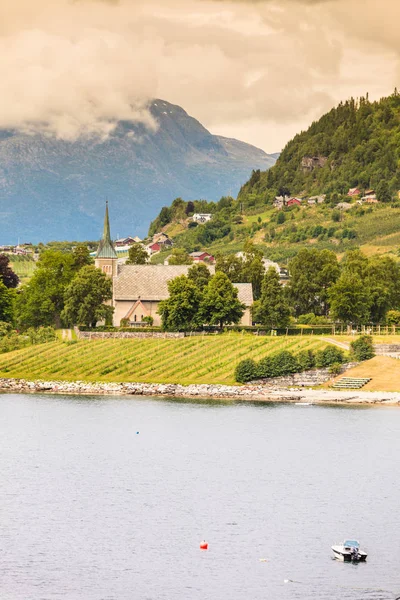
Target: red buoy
point(203, 545)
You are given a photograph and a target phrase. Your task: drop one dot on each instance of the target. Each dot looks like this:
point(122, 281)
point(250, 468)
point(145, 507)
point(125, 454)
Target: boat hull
point(346, 556)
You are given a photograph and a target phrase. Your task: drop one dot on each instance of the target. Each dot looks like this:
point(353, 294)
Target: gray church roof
point(150, 282)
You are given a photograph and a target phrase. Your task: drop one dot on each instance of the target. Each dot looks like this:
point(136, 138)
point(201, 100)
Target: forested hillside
point(355, 144)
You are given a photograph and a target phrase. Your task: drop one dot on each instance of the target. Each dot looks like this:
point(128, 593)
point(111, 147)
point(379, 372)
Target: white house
point(201, 218)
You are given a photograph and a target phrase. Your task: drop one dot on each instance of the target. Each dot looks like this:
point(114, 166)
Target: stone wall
point(104, 335)
point(382, 349)
point(305, 379)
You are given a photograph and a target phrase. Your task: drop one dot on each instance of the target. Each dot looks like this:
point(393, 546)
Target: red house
point(293, 201)
point(353, 192)
point(201, 257)
point(154, 248)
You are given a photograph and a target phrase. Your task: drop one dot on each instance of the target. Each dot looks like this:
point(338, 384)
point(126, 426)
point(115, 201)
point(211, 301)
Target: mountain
point(356, 144)
point(52, 189)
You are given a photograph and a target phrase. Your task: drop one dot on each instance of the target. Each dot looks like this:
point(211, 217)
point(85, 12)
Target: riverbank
point(252, 393)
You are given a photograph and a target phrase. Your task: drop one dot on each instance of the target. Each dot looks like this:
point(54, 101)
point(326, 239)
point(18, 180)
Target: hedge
point(285, 363)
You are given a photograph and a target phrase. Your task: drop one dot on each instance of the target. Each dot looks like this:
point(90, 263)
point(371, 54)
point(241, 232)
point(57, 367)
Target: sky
point(256, 70)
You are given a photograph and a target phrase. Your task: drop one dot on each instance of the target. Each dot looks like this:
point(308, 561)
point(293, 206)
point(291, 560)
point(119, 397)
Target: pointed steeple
point(106, 247)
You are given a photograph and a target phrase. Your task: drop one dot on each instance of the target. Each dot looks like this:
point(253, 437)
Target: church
point(138, 289)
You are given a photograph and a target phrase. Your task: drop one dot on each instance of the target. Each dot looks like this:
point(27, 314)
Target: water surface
point(92, 510)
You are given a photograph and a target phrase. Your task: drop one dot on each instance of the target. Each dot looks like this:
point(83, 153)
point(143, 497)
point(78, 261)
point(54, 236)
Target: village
point(368, 197)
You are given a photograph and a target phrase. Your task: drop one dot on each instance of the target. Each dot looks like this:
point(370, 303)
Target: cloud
point(72, 68)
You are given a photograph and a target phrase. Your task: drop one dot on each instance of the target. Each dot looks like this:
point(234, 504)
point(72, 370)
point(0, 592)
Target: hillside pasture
point(197, 359)
point(23, 266)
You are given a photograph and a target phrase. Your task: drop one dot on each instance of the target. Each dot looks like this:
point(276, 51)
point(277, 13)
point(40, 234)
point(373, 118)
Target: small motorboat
point(349, 551)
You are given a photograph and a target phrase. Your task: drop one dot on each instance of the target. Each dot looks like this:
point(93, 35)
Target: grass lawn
point(197, 359)
point(385, 373)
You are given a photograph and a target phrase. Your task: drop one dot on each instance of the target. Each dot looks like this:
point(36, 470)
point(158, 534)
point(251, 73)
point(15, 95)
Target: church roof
point(150, 282)
point(106, 247)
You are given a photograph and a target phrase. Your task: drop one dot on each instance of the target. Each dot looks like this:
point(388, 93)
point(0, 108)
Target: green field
point(23, 266)
point(197, 359)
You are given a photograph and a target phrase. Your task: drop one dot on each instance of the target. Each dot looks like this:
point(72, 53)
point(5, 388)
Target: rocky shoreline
point(252, 393)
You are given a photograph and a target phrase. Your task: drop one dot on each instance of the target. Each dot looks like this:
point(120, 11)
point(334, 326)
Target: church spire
point(106, 247)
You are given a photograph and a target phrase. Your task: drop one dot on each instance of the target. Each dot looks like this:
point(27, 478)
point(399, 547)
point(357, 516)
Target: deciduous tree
point(179, 256)
point(200, 275)
point(41, 300)
point(272, 310)
point(350, 299)
point(220, 304)
point(85, 298)
point(312, 273)
point(6, 303)
point(180, 311)
point(137, 255)
point(7, 275)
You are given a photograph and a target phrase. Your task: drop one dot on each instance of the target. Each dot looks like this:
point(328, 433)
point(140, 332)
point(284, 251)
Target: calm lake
point(92, 510)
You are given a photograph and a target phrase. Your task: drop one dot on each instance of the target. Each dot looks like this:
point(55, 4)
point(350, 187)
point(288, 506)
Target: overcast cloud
point(259, 70)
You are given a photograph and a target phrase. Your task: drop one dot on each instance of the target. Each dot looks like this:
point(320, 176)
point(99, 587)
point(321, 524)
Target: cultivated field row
point(190, 360)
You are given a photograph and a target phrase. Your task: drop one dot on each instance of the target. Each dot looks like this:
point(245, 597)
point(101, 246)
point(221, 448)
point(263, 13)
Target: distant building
point(163, 240)
point(153, 248)
point(293, 202)
point(317, 199)
point(368, 199)
point(128, 241)
point(353, 192)
point(201, 218)
point(202, 257)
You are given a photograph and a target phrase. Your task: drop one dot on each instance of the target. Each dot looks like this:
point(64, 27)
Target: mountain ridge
point(55, 189)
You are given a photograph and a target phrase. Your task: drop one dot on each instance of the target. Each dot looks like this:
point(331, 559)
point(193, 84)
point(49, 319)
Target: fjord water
point(106, 498)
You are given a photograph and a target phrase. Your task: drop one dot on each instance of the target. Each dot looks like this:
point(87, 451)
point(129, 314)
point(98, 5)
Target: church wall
point(247, 318)
point(122, 307)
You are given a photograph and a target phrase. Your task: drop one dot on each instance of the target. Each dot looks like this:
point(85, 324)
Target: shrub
point(306, 360)
point(41, 335)
point(329, 356)
point(306, 319)
point(5, 328)
point(148, 320)
point(392, 317)
point(284, 363)
point(124, 323)
point(265, 368)
point(335, 369)
point(246, 370)
point(362, 348)
point(281, 218)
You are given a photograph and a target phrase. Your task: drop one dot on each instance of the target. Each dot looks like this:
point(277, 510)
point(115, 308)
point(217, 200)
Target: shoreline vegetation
point(249, 393)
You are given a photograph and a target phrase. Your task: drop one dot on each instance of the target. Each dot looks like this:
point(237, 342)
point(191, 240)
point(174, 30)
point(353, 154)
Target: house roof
point(198, 254)
point(150, 282)
point(106, 247)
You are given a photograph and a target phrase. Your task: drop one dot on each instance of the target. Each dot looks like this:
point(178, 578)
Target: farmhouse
point(128, 241)
point(202, 257)
point(293, 202)
point(353, 192)
point(201, 217)
point(138, 289)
